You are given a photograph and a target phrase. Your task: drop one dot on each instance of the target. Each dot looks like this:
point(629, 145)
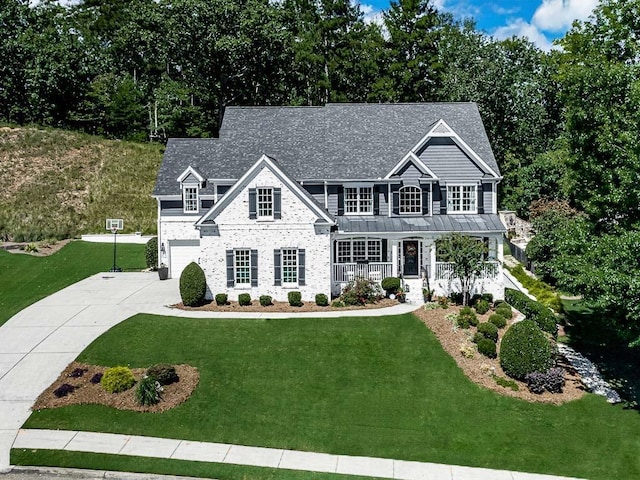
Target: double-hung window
point(410, 200)
point(462, 199)
point(289, 266)
point(265, 203)
point(358, 200)
point(190, 199)
point(242, 267)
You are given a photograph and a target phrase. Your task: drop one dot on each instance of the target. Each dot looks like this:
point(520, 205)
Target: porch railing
point(376, 271)
point(489, 272)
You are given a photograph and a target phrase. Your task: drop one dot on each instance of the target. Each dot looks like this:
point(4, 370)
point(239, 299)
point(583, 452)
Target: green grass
point(358, 386)
point(67, 183)
point(123, 463)
point(25, 279)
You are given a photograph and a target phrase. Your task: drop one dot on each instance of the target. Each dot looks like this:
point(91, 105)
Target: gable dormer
point(191, 181)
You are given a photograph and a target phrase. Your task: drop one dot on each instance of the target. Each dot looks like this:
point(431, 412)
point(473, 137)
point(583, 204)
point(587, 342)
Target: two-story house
point(308, 198)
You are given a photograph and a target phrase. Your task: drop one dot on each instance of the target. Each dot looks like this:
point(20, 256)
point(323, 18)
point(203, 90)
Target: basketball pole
point(115, 233)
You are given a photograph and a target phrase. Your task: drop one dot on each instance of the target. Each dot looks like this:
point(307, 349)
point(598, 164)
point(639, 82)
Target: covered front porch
point(410, 255)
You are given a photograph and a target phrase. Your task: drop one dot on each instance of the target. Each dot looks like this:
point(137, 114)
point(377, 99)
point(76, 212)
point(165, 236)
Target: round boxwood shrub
point(505, 311)
point(322, 300)
point(151, 253)
point(163, 373)
point(265, 300)
point(117, 379)
point(525, 349)
point(244, 299)
point(498, 320)
point(489, 330)
point(487, 347)
point(295, 299)
point(193, 285)
point(467, 317)
point(477, 337)
point(390, 284)
point(482, 306)
point(221, 299)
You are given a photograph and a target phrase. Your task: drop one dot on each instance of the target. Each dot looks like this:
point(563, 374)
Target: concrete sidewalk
point(258, 456)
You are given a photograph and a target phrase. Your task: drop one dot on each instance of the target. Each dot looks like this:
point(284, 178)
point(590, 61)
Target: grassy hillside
point(59, 184)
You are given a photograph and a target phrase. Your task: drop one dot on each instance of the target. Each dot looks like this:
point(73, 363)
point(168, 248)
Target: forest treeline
point(563, 124)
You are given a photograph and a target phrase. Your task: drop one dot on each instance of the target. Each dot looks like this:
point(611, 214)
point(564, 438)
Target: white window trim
point(366, 241)
point(359, 210)
point(297, 267)
point(185, 188)
point(419, 212)
point(461, 186)
point(242, 286)
point(265, 217)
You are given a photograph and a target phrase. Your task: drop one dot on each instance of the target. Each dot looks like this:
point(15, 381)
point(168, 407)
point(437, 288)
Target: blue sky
point(541, 21)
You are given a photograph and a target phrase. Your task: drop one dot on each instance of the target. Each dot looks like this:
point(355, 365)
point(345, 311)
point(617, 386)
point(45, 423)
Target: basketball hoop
point(114, 224)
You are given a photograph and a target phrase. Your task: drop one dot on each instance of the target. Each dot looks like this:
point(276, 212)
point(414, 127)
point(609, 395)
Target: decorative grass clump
point(117, 379)
point(193, 285)
point(148, 391)
point(525, 349)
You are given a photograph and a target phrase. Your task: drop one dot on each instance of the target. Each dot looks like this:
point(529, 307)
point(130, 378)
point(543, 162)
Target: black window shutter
point(376, 200)
point(277, 203)
point(230, 277)
point(480, 199)
point(384, 250)
point(253, 208)
point(395, 193)
point(425, 199)
point(301, 267)
point(277, 268)
point(340, 200)
point(254, 268)
point(443, 200)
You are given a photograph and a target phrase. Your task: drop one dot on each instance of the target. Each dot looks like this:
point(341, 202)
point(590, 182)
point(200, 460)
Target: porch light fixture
point(162, 250)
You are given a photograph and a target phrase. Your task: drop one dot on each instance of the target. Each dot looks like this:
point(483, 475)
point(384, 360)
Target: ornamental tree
point(467, 254)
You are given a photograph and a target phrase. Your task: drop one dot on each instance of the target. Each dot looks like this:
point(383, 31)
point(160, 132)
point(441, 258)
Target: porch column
point(500, 253)
point(394, 258)
point(432, 273)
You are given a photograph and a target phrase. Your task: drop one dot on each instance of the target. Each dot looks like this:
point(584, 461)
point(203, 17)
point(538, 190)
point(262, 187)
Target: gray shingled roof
point(338, 141)
point(438, 223)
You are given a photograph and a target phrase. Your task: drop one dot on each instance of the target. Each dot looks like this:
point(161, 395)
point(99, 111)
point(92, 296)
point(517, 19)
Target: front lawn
point(358, 386)
point(25, 279)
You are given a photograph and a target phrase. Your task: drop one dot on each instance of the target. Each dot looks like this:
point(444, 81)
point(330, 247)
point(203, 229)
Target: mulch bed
point(281, 307)
point(87, 392)
point(44, 248)
point(481, 369)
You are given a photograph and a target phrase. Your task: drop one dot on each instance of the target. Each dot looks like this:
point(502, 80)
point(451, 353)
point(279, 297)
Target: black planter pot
point(163, 273)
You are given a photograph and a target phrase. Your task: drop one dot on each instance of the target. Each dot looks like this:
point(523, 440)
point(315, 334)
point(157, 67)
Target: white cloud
point(371, 14)
point(558, 15)
point(521, 28)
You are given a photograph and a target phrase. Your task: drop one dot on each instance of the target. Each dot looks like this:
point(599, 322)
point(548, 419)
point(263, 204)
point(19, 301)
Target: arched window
point(410, 200)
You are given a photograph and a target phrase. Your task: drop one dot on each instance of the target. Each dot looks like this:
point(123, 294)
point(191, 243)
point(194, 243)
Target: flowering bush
point(360, 292)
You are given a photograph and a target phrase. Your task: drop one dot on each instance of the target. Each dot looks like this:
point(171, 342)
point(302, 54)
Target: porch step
point(414, 295)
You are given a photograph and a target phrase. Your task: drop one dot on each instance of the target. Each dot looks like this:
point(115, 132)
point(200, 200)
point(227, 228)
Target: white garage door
point(181, 254)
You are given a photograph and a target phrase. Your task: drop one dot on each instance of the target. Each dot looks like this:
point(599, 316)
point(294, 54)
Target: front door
point(411, 261)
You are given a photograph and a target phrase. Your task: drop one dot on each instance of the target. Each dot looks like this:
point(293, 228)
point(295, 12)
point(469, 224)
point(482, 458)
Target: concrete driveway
point(37, 343)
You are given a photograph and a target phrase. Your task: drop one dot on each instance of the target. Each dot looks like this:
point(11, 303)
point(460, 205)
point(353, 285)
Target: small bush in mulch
point(487, 347)
point(244, 299)
point(525, 349)
point(163, 373)
point(322, 300)
point(504, 310)
point(498, 320)
point(482, 307)
point(117, 379)
point(222, 299)
point(96, 378)
point(489, 330)
point(467, 317)
point(78, 372)
point(63, 390)
point(552, 381)
point(148, 391)
point(295, 299)
point(193, 285)
point(266, 300)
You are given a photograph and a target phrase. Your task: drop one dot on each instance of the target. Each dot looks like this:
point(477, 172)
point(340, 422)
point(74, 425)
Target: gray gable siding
point(449, 162)
point(436, 199)
point(190, 180)
point(487, 194)
point(316, 191)
point(334, 192)
point(410, 172)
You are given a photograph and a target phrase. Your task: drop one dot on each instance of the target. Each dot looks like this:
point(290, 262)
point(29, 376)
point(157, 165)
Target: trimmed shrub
point(117, 379)
point(244, 299)
point(322, 300)
point(96, 378)
point(498, 320)
point(477, 337)
point(525, 349)
point(489, 330)
point(151, 253)
point(488, 297)
point(77, 372)
point(482, 306)
point(505, 311)
point(390, 284)
point(265, 300)
point(543, 316)
point(163, 373)
point(487, 347)
point(63, 390)
point(497, 303)
point(193, 285)
point(148, 391)
point(222, 299)
point(467, 317)
point(456, 298)
point(360, 292)
point(551, 381)
point(295, 299)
